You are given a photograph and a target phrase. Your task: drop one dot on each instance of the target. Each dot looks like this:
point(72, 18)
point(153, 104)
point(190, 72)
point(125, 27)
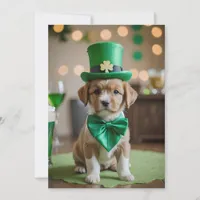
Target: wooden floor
point(66, 146)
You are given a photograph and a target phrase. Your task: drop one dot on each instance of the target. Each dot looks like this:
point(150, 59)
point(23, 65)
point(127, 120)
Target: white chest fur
point(104, 156)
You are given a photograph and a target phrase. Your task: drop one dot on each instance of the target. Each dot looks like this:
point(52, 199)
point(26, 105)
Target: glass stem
point(56, 118)
point(56, 123)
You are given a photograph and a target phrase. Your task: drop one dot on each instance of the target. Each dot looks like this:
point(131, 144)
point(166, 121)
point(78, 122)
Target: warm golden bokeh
point(157, 49)
point(122, 31)
point(156, 32)
point(143, 75)
point(77, 35)
point(58, 28)
point(63, 70)
point(105, 34)
point(78, 69)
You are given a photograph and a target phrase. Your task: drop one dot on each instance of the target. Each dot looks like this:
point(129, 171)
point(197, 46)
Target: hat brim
point(123, 75)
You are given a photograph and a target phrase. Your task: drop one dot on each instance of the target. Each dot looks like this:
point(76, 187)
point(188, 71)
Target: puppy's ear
point(130, 95)
point(83, 93)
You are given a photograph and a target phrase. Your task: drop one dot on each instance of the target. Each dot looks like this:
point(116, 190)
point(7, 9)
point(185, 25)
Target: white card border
point(125, 18)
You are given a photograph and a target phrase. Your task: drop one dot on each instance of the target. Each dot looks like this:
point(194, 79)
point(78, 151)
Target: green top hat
point(105, 62)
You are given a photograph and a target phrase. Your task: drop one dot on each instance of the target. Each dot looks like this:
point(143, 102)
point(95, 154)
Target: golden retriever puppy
point(106, 99)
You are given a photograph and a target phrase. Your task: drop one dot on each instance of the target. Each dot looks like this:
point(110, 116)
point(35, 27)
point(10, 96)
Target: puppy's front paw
point(80, 169)
point(92, 178)
point(127, 177)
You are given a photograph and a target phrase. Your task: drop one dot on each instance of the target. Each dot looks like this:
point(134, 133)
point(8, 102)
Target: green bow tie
point(109, 133)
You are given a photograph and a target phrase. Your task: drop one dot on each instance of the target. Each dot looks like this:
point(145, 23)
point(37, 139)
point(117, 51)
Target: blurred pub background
point(144, 56)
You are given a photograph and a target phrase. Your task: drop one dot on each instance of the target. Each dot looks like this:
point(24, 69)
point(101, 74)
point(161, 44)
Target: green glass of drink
point(56, 97)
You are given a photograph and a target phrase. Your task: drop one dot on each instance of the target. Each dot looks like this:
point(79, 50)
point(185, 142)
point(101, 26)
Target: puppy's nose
point(105, 103)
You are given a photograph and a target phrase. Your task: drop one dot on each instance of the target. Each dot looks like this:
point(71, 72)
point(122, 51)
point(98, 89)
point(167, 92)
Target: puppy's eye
point(97, 91)
point(116, 92)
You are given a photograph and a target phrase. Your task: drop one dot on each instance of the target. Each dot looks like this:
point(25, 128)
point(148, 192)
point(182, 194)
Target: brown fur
point(86, 146)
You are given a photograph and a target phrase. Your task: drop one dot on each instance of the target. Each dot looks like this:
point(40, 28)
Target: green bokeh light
point(137, 55)
point(136, 27)
point(146, 91)
point(138, 39)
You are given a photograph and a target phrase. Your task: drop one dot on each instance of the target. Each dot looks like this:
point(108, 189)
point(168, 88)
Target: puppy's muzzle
point(105, 103)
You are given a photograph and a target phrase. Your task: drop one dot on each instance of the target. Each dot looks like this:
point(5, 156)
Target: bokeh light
point(63, 70)
point(58, 28)
point(77, 35)
point(134, 73)
point(122, 31)
point(136, 27)
point(154, 91)
point(156, 32)
point(137, 55)
point(146, 91)
point(78, 69)
point(157, 49)
point(105, 34)
point(143, 75)
point(138, 39)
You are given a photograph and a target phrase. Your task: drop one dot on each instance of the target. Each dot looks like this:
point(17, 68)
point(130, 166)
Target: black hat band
point(97, 69)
